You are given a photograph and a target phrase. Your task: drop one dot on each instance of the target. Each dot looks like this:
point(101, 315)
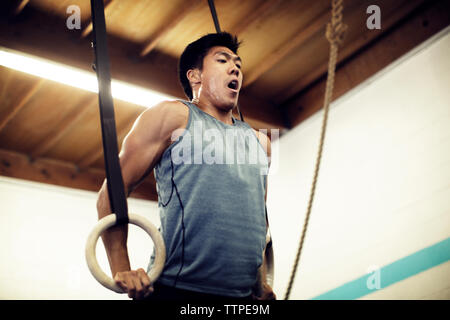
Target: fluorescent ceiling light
point(77, 78)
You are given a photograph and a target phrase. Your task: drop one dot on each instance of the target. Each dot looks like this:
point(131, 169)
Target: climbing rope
point(335, 35)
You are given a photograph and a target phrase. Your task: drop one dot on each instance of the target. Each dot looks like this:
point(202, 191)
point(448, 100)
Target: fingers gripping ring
point(109, 221)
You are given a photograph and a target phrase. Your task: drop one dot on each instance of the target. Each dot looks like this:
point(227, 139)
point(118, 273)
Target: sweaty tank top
point(211, 186)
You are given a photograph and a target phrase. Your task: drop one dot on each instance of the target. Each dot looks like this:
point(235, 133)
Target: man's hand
point(135, 282)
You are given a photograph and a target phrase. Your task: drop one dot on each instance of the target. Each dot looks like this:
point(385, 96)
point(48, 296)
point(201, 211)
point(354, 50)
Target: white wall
point(383, 190)
point(43, 231)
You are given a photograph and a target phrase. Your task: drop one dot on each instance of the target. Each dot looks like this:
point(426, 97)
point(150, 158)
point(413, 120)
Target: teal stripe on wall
point(401, 269)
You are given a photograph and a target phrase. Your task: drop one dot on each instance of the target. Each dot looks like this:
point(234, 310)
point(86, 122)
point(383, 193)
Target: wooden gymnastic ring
point(109, 221)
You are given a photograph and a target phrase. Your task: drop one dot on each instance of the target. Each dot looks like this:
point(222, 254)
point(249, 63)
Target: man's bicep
point(136, 158)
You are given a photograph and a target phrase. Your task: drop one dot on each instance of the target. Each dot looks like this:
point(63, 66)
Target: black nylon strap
point(116, 190)
point(214, 15)
point(212, 8)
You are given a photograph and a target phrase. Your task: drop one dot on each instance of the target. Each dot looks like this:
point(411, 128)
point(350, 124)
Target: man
point(212, 213)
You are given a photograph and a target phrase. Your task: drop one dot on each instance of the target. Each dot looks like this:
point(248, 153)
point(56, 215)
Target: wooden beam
point(261, 11)
point(20, 7)
point(64, 126)
point(350, 48)
point(43, 36)
point(88, 29)
point(180, 14)
point(92, 156)
point(6, 82)
point(278, 54)
point(423, 23)
point(17, 165)
point(23, 101)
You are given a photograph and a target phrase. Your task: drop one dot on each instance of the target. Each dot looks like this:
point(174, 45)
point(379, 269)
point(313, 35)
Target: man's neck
point(221, 115)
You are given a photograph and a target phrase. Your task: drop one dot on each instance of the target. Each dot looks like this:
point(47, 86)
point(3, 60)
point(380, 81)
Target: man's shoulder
point(168, 107)
point(262, 136)
point(172, 112)
point(160, 121)
point(264, 140)
point(174, 106)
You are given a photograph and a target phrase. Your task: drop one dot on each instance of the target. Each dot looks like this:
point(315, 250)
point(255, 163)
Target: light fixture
point(77, 78)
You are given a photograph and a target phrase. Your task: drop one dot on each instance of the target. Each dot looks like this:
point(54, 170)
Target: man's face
point(221, 77)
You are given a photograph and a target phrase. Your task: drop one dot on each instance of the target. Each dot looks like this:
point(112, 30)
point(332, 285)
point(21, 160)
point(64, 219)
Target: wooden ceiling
point(50, 132)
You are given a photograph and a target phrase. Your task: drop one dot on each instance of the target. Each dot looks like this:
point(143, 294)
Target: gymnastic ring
point(109, 221)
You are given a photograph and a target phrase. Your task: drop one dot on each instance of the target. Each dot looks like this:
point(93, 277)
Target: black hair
point(193, 55)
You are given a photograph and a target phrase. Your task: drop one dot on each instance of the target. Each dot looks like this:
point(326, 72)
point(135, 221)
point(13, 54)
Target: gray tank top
point(211, 185)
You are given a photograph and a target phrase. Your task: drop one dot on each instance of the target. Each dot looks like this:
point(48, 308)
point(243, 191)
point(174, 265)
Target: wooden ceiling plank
point(176, 18)
point(92, 157)
point(349, 49)
point(88, 29)
point(262, 11)
point(23, 101)
point(278, 54)
point(63, 127)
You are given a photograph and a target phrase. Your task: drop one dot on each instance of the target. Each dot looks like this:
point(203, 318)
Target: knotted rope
point(335, 35)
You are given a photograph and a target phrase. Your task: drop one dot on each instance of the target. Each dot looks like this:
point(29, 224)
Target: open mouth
point(234, 85)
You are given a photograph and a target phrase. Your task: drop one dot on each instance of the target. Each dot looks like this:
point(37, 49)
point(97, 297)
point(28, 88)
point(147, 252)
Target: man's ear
point(194, 76)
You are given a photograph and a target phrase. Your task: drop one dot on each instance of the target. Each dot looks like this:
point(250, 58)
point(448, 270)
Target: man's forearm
point(258, 286)
point(263, 269)
point(262, 289)
point(115, 238)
